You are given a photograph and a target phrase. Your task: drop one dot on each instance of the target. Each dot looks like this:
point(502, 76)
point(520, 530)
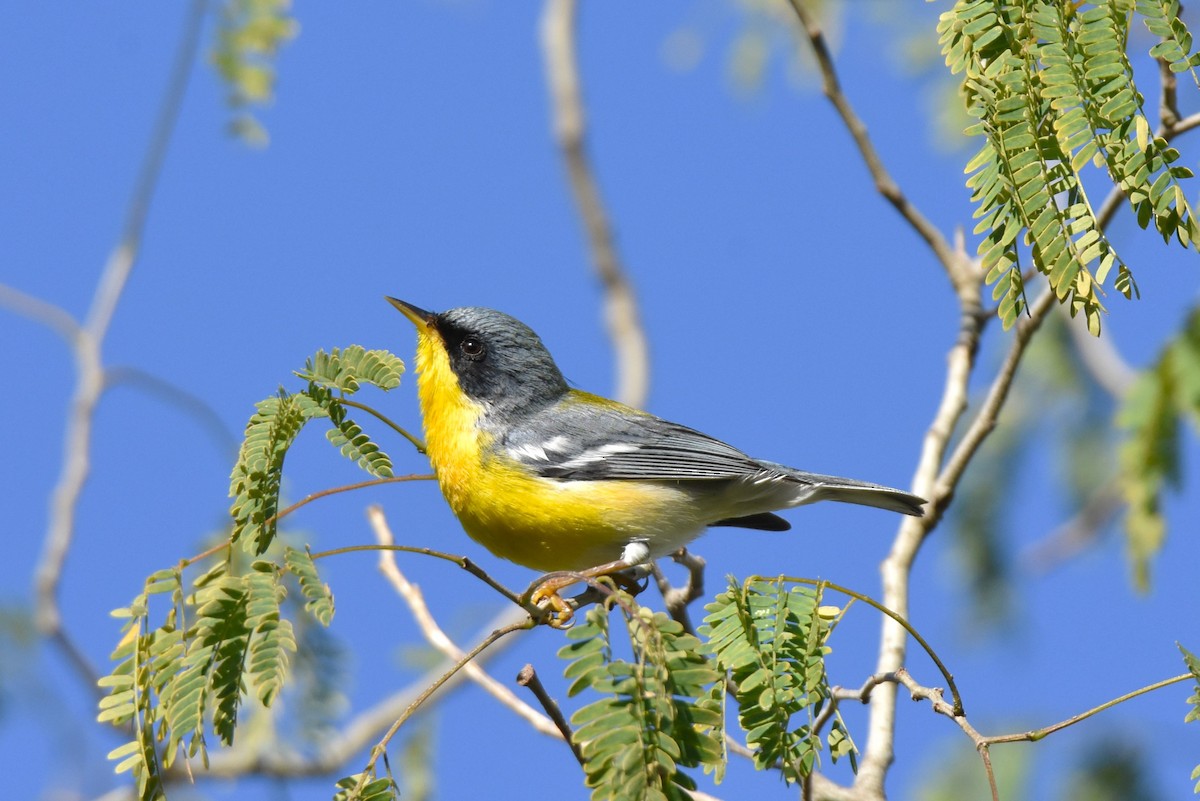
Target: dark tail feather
point(848, 490)
point(765, 521)
point(893, 500)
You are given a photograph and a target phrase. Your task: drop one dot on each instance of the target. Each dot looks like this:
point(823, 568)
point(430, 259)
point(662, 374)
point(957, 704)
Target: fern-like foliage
point(318, 596)
point(1052, 89)
point(1175, 41)
point(258, 472)
point(228, 639)
point(658, 713)
point(348, 437)
point(343, 369)
point(1193, 666)
point(1150, 455)
point(249, 36)
point(173, 680)
point(771, 638)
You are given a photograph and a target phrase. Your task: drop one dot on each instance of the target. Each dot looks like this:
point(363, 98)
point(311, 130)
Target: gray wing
point(586, 442)
point(606, 441)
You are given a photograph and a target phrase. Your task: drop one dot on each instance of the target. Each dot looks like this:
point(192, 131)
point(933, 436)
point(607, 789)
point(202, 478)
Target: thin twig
point(89, 368)
point(983, 743)
point(436, 637)
point(1076, 534)
point(387, 421)
point(894, 616)
point(1037, 734)
point(989, 412)
point(885, 184)
point(178, 398)
point(570, 129)
point(380, 748)
point(335, 752)
point(1103, 362)
point(375, 482)
point(677, 599)
point(39, 311)
point(462, 561)
point(934, 696)
point(528, 677)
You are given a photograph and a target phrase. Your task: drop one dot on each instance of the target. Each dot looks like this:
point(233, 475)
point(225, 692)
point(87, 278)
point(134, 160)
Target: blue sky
point(789, 311)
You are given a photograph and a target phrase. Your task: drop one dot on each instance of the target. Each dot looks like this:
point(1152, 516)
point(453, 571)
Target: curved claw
point(561, 610)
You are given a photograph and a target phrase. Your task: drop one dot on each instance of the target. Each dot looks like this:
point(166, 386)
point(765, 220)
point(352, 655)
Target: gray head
point(498, 359)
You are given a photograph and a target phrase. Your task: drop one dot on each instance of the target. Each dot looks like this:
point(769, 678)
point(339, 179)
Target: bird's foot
point(546, 591)
point(559, 611)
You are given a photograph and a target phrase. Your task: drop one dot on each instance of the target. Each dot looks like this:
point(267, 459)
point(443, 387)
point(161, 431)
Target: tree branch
point(1077, 533)
point(989, 412)
point(1037, 734)
point(897, 566)
point(436, 637)
point(528, 677)
point(884, 183)
point(87, 343)
point(271, 758)
point(621, 311)
point(677, 599)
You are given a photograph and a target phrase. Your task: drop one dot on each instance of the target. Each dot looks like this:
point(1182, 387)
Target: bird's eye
point(472, 348)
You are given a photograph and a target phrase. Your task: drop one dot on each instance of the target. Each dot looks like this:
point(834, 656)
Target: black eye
point(472, 348)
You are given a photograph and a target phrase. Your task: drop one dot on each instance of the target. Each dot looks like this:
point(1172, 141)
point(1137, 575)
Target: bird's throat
point(453, 438)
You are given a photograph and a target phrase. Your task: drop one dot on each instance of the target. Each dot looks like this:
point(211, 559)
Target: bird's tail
point(817, 487)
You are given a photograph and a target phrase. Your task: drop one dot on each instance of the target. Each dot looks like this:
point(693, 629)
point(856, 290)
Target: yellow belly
point(564, 525)
point(537, 522)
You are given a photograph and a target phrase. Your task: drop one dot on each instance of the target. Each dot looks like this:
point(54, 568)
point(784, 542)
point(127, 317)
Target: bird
point(559, 479)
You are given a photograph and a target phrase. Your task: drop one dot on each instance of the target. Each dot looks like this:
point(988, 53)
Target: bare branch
point(436, 637)
point(677, 599)
point(989, 412)
point(176, 396)
point(53, 317)
point(1078, 533)
point(380, 748)
point(570, 128)
point(90, 372)
point(325, 493)
point(1038, 734)
point(934, 696)
point(913, 531)
point(884, 183)
point(528, 677)
point(983, 743)
point(270, 758)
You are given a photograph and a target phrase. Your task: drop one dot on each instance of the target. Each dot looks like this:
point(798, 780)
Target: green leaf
point(656, 713)
point(344, 369)
point(258, 472)
point(249, 36)
point(1150, 455)
point(318, 596)
point(771, 639)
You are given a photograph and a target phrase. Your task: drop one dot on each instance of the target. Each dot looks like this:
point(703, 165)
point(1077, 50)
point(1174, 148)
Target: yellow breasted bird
point(557, 479)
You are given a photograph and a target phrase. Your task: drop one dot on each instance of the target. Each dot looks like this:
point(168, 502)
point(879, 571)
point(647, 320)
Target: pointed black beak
point(422, 319)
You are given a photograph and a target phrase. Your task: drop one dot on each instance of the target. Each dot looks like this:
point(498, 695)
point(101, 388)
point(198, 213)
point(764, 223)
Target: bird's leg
point(547, 588)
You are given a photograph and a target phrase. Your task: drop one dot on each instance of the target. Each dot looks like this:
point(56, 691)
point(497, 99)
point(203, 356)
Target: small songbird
point(554, 478)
